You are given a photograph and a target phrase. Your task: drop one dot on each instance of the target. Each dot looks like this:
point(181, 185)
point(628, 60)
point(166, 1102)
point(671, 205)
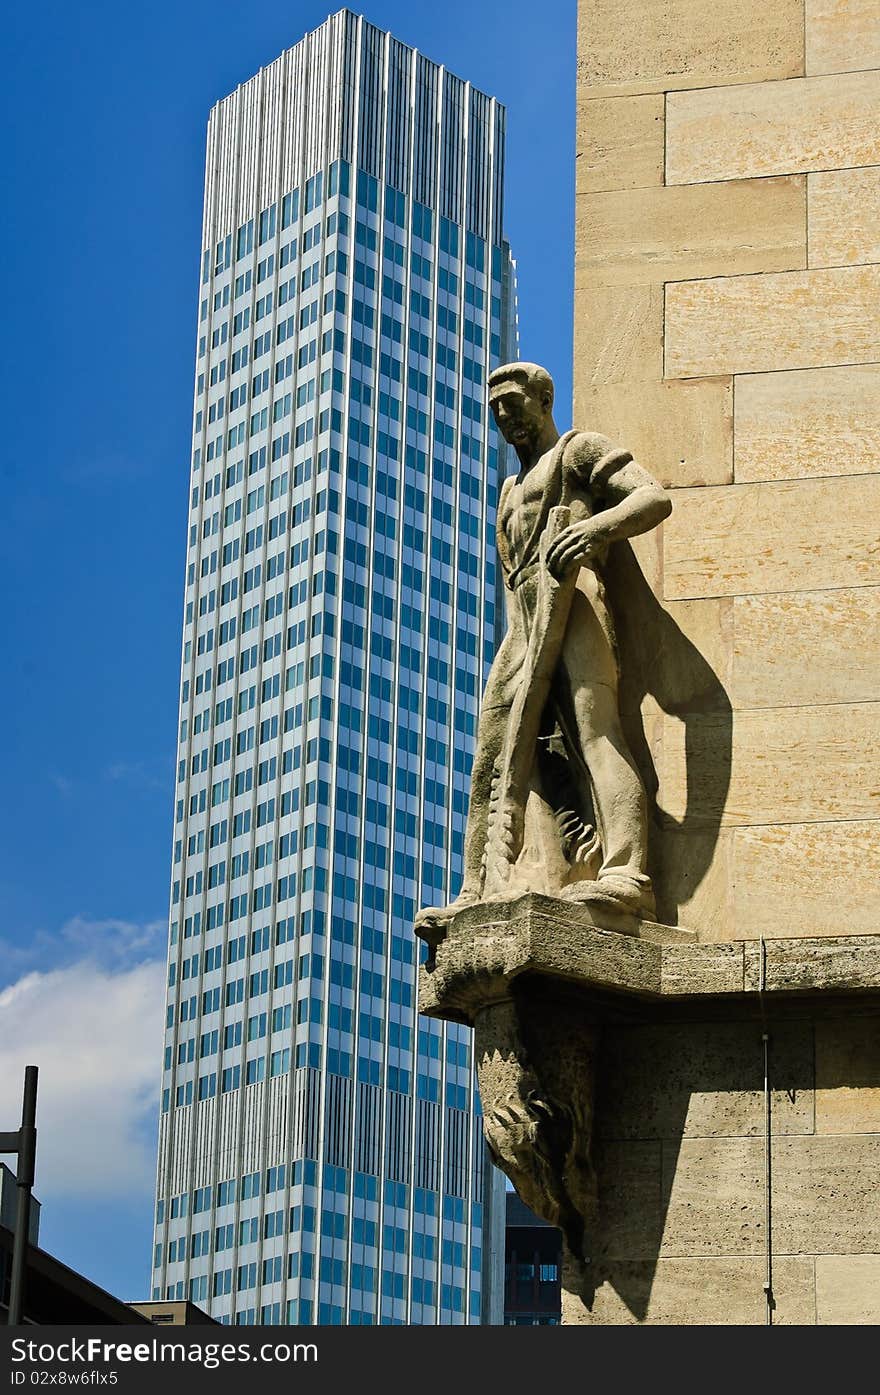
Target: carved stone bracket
point(512, 970)
point(536, 1065)
point(538, 977)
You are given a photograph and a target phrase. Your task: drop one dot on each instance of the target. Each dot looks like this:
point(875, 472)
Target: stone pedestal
point(622, 1076)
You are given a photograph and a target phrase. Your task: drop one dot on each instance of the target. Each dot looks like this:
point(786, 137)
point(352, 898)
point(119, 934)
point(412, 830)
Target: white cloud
point(142, 775)
point(111, 942)
point(96, 1035)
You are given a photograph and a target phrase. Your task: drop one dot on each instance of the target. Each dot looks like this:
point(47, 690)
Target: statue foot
point(431, 921)
point(620, 893)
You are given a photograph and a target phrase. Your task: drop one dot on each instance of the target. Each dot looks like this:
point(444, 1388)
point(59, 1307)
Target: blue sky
point(106, 106)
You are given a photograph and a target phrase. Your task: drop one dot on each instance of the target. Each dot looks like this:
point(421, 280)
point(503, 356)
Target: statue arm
point(633, 503)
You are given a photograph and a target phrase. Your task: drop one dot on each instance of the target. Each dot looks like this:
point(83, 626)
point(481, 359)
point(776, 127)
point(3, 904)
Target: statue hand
point(575, 545)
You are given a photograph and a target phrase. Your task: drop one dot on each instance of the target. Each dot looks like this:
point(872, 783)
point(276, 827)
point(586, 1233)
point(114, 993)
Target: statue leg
point(588, 687)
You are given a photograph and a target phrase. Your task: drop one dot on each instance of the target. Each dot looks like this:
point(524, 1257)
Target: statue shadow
point(658, 661)
point(647, 1095)
point(672, 1098)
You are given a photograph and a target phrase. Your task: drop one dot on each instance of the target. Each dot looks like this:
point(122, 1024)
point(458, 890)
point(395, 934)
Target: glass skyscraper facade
point(320, 1152)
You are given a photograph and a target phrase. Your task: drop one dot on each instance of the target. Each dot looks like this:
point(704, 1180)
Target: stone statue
point(557, 805)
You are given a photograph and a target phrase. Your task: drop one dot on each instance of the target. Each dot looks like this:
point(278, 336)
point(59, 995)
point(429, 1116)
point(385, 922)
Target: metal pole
point(27, 1152)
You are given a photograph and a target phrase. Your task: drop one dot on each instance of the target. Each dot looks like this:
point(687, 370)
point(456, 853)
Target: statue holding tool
point(557, 805)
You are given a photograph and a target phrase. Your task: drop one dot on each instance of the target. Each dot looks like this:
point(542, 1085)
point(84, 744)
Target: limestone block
point(807, 879)
point(847, 1290)
point(682, 431)
point(648, 552)
point(804, 648)
point(697, 1080)
point(786, 765)
point(692, 870)
point(848, 1075)
point(630, 1196)
point(773, 321)
point(695, 1292)
point(831, 964)
point(751, 539)
point(761, 129)
point(649, 235)
point(708, 626)
point(842, 35)
point(620, 143)
point(713, 1190)
point(716, 968)
point(618, 335)
point(843, 225)
point(825, 1195)
point(823, 965)
point(686, 43)
point(817, 421)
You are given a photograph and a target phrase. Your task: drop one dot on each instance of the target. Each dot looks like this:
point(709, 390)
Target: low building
point(181, 1313)
point(532, 1268)
point(53, 1293)
point(9, 1204)
point(56, 1295)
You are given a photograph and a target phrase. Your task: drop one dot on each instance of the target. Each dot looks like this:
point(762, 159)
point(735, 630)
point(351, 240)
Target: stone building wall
point(680, 1149)
point(727, 330)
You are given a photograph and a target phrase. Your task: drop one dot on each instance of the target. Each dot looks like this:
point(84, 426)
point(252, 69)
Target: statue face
point(519, 412)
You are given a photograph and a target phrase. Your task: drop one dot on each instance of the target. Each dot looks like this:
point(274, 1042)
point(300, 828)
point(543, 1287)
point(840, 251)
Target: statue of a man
point(557, 805)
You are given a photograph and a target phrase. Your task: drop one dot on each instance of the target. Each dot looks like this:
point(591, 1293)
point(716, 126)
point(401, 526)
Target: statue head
point(521, 399)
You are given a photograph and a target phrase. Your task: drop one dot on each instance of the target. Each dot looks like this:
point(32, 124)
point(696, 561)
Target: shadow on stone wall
point(661, 1086)
point(658, 660)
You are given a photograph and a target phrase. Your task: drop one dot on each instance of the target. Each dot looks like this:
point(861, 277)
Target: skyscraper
point(320, 1155)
